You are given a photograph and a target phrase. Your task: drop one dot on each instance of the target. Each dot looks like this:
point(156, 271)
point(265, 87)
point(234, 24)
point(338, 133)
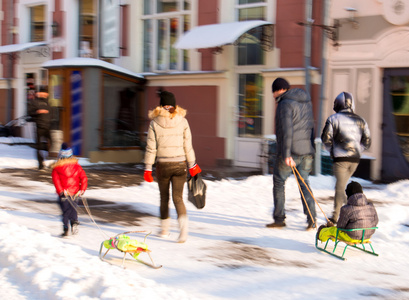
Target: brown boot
point(276, 225)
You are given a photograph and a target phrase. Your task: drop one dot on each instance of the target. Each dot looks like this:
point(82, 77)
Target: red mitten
point(148, 176)
point(194, 170)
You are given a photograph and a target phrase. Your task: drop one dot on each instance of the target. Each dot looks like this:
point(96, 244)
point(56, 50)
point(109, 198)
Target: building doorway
point(395, 126)
point(250, 120)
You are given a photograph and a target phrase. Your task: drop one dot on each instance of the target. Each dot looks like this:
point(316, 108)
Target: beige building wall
point(373, 35)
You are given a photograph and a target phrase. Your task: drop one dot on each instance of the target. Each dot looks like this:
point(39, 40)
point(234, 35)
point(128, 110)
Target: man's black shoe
point(276, 225)
point(311, 226)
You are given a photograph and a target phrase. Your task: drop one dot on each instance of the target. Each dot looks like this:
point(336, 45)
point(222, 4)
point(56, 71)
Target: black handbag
point(197, 191)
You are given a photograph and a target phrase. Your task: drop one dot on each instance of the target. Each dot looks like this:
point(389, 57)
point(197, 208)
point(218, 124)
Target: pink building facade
point(96, 50)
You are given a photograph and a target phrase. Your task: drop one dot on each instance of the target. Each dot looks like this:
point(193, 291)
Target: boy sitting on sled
point(357, 213)
point(70, 183)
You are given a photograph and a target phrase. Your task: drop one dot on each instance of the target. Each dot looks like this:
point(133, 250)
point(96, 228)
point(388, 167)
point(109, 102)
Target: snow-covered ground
point(230, 254)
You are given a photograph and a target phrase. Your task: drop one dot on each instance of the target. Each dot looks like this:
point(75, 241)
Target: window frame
point(139, 119)
point(94, 48)
point(237, 8)
point(252, 69)
point(259, 96)
point(154, 17)
point(31, 22)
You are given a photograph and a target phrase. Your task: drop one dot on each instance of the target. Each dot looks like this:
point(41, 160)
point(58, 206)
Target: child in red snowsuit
point(70, 183)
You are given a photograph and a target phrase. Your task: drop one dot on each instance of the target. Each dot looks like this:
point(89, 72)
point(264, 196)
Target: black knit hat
point(167, 98)
point(280, 84)
point(353, 188)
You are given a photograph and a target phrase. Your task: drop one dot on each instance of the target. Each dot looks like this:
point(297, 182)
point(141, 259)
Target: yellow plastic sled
point(123, 243)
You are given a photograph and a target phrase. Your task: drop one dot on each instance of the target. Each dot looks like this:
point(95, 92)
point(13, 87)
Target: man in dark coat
point(295, 148)
point(345, 135)
point(39, 110)
point(357, 213)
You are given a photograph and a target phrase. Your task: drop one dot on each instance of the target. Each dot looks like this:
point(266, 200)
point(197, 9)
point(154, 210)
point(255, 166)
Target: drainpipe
point(307, 44)
point(318, 142)
point(323, 67)
point(10, 60)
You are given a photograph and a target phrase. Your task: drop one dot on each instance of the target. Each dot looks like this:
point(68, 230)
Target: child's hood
point(65, 162)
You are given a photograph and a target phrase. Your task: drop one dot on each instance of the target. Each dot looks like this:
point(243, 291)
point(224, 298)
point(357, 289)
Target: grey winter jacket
point(358, 213)
point(346, 135)
point(169, 138)
point(294, 124)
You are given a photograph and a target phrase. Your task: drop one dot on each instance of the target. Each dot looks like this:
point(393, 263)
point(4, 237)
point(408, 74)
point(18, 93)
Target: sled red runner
point(123, 243)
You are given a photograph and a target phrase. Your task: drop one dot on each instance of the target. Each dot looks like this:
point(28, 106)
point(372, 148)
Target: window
point(37, 23)
point(250, 105)
point(249, 49)
point(123, 119)
point(164, 22)
point(87, 28)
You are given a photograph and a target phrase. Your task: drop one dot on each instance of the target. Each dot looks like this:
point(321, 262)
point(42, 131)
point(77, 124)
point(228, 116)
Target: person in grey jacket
point(169, 144)
point(295, 148)
point(345, 135)
point(357, 213)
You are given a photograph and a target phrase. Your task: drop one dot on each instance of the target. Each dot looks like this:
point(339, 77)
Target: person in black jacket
point(295, 148)
point(345, 135)
point(39, 110)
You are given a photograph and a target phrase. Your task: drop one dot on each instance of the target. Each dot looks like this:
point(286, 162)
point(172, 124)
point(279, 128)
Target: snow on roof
point(88, 62)
point(215, 35)
point(20, 47)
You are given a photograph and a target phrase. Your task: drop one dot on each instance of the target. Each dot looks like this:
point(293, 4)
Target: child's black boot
point(65, 232)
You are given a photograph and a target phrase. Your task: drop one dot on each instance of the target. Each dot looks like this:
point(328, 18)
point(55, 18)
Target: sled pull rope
point(299, 187)
point(302, 195)
point(84, 201)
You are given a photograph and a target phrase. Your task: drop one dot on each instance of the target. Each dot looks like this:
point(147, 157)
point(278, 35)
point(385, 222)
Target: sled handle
point(137, 231)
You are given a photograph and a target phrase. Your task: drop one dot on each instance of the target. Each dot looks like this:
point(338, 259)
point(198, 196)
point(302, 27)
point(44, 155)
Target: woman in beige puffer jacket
point(169, 144)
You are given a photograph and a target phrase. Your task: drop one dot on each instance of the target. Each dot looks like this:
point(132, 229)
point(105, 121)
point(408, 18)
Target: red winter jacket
point(69, 176)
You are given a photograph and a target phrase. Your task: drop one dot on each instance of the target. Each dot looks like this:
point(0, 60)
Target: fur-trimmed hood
point(65, 161)
point(166, 119)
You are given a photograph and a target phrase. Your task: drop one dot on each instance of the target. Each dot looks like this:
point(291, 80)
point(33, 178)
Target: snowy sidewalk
point(229, 254)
